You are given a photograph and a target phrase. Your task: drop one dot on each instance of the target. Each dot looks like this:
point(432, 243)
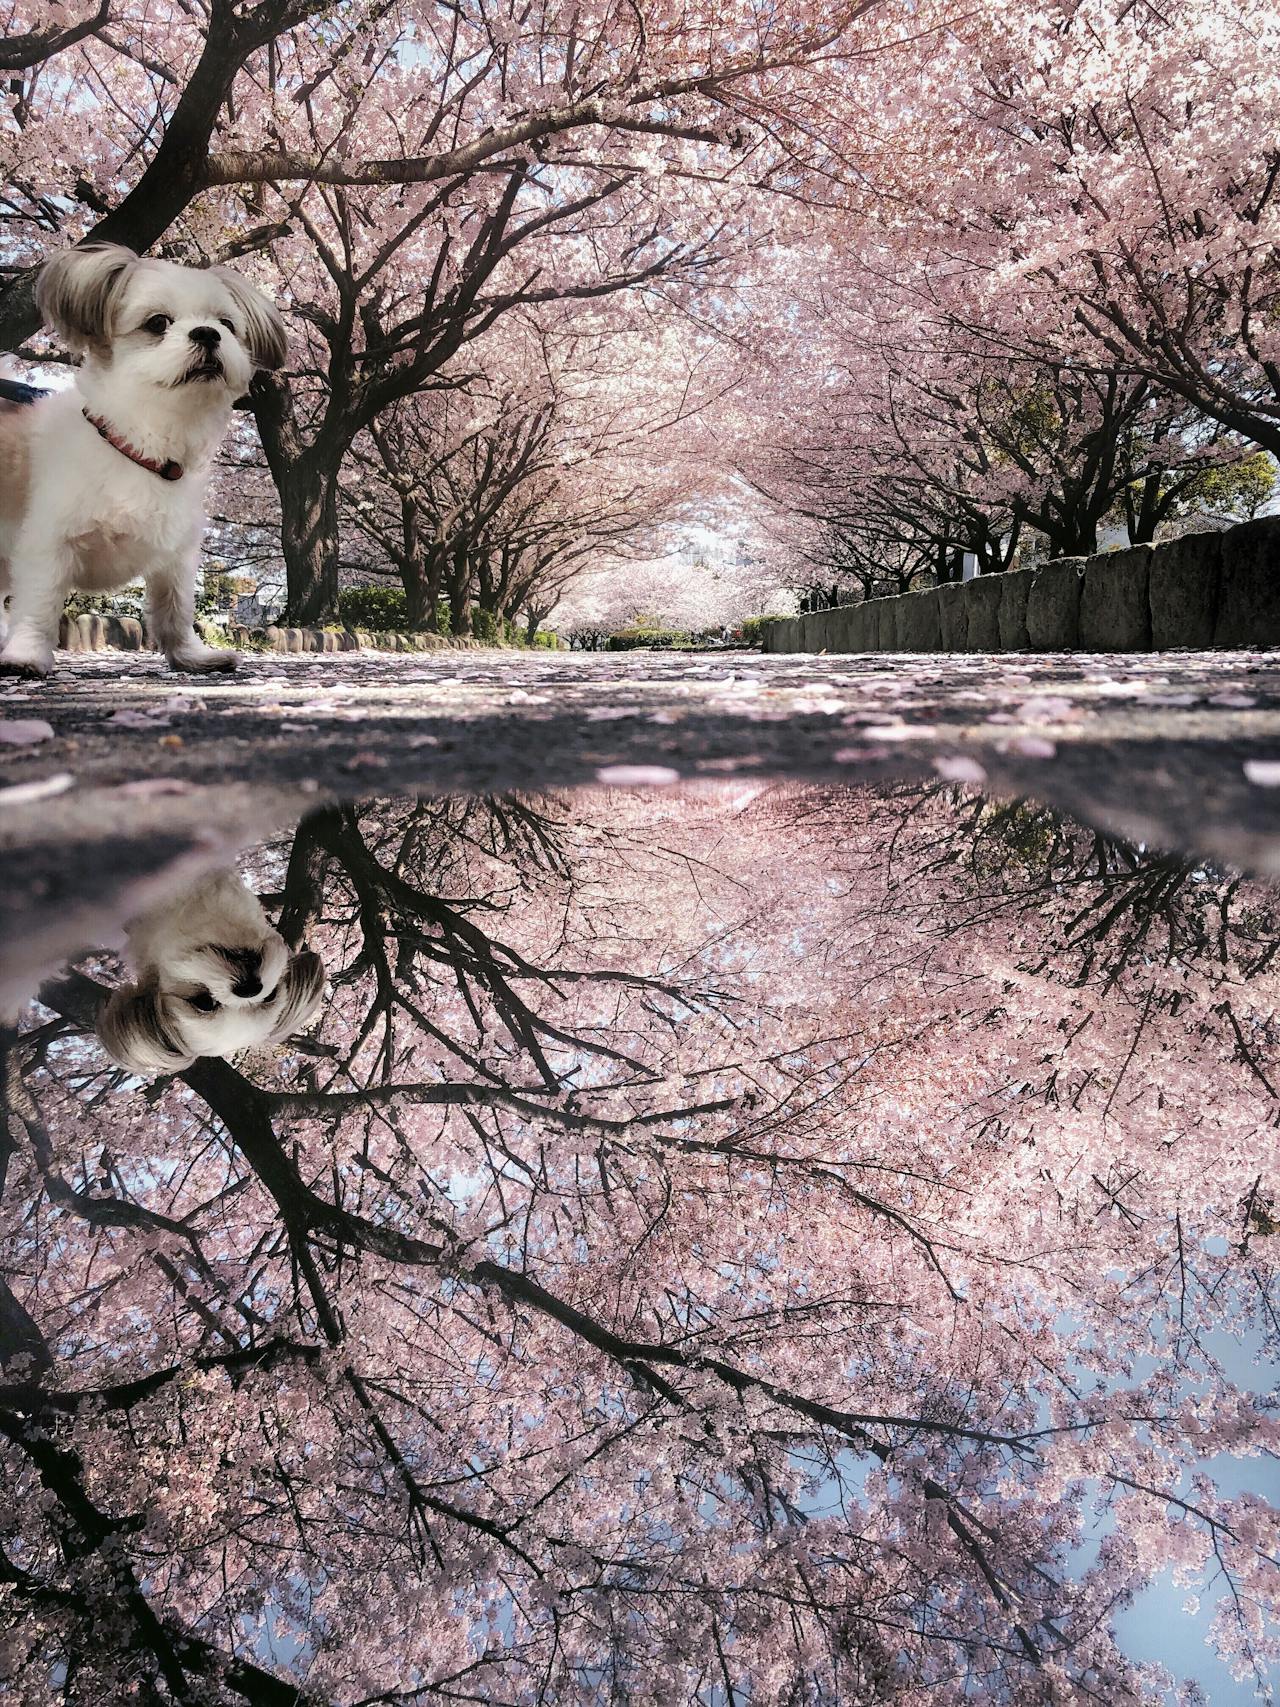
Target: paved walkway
point(115, 767)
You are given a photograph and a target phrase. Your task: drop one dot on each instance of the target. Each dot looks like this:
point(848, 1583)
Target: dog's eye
point(203, 1003)
point(229, 324)
point(158, 325)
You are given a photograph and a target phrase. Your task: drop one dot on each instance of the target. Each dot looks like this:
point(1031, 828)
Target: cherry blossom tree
point(907, 434)
point(418, 173)
point(501, 490)
point(1118, 160)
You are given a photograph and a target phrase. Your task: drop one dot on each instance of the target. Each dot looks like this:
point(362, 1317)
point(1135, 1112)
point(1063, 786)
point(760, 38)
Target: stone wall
point(1205, 589)
point(124, 633)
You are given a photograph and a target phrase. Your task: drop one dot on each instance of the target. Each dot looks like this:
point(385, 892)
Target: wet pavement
point(115, 763)
point(692, 1178)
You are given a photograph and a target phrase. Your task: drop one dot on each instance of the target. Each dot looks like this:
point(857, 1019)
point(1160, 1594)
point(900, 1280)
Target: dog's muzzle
point(208, 364)
point(208, 367)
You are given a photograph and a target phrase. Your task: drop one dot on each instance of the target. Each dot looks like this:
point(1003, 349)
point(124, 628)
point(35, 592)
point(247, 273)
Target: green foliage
point(125, 603)
point(1235, 492)
point(663, 639)
point(545, 640)
point(387, 607)
point(374, 607)
point(753, 629)
point(495, 630)
point(217, 593)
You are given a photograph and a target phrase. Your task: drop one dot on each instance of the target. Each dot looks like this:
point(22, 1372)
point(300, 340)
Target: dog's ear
point(266, 339)
point(301, 990)
point(78, 289)
point(132, 1031)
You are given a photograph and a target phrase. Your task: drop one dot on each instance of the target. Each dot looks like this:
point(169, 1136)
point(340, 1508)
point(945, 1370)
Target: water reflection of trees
point(708, 1251)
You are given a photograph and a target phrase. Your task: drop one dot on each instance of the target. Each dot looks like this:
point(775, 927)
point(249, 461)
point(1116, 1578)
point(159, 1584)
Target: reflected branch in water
point(801, 1244)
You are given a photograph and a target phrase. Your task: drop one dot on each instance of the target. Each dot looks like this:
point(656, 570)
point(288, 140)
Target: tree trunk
point(1144, 519)
point(307, 483)
point(417, 605)
point(459, 589)
point(415, 576)
point(309, 540)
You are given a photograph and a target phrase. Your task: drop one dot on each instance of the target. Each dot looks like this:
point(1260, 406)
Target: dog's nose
point(207, 336)
point(251, 986)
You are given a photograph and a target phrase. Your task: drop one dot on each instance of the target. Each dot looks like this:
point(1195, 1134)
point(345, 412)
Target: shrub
point(380, 608)
point(488, 626)
point(217, 593)
point(373, 607)
point(629, 639)
point(546, 639)
point(126, 603)
point(753, 629)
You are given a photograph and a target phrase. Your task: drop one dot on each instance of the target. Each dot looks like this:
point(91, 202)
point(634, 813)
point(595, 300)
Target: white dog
point(105, 483)
point(213, 978)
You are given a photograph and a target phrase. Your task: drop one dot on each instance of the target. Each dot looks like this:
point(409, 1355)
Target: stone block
point(953, 617)
point(1183, 589)
point(274, 638)
point(68, 633)
point(1053, 605)
point(919, 622)
point(982, 602)
point(839, 629)
point(858, 628)
point(1249, 589)
point(293, 640)
point(1115, 609)
point(1011, 619)
point(92, 632)
point(132, 637)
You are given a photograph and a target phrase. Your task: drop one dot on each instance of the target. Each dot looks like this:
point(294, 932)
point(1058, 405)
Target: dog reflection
point(212, 978)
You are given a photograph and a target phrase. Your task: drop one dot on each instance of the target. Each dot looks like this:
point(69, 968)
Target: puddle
point(724, 1242)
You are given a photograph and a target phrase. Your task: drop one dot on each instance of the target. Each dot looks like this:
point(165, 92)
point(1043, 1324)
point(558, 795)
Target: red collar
point(167, 470)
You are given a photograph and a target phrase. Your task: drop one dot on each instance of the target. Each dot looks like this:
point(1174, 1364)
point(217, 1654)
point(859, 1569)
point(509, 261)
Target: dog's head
point(160, 324)
point(213, 978)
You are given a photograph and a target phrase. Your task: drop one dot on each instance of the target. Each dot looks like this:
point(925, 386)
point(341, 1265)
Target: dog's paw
point(204, 661)
point(26, 665)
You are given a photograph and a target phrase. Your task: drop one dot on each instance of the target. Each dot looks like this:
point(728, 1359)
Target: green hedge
point(125, 603)
point(383, 608)
point(753, 629)
point(630, 639)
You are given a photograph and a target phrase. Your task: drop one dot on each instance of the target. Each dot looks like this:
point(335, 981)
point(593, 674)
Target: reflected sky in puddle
point(729, 1244)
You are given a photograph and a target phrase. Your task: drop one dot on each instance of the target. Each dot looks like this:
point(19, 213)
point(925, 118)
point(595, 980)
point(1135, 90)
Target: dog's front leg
point(171, 610)
point(41, 578)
